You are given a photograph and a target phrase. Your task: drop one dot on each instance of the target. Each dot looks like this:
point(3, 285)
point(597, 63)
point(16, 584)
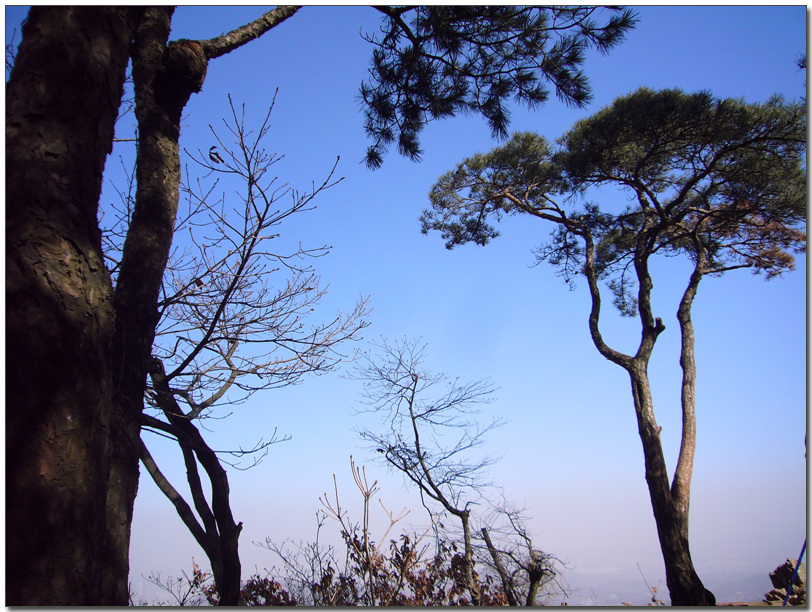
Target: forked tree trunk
point(62, 101)
point(684, 586)
point(670, 506)
point(218, 535)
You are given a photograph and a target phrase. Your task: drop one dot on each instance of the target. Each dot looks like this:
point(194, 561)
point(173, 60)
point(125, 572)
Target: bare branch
point(215, 47)
point(184, 511)
point(394, 383)
point(225, 332)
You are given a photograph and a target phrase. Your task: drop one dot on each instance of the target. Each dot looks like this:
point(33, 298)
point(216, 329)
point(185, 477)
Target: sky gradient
point(570, 450)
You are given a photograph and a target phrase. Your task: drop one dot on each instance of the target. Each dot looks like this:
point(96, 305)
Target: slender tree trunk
point(62, 101)
point(684, 585)
point(219, 534)
point(670, 512)
point(681, 487)
point(507, 582)
point(473, 587)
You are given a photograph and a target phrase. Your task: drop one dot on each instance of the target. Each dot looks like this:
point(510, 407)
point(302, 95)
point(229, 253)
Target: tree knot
point(186, 65)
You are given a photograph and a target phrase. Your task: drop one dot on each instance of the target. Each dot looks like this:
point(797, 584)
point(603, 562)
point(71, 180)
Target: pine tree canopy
point(432, 62)
point(722, 181)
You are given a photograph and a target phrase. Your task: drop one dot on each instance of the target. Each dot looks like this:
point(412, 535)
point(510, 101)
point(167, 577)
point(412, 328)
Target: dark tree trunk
point(684, 585)
point(164, 77)
point(219, 534)
point(62, 100)
point(78, 349)
point(160, 96)
point(670, 508)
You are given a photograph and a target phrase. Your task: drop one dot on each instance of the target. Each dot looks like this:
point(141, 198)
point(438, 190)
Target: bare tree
point(225, 332)
point(507, 548)
point(417, 443)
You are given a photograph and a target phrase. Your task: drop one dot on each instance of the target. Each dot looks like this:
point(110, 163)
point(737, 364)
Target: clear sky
point(570, 449)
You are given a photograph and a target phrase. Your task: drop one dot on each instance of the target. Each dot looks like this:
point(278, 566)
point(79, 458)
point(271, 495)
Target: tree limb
point(215, 47)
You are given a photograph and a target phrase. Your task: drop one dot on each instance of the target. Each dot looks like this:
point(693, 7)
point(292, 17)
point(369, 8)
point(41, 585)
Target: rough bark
point(684, 585)
point(80, 348)
point(146, 249)
point(62, 100)
point(165, 75)
point(215, 47)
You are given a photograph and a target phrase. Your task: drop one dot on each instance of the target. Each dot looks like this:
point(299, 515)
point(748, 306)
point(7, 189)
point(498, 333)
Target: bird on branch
point(215, 156)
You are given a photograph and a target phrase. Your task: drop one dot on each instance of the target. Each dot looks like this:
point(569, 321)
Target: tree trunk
point(681, 486)
point(684, 585)
point(473, 587)
point(160, 97)
point(219, 534)
point(78, 349)
point(164, 77)
point(507, 581)
point(62, 101)
point(671, 516)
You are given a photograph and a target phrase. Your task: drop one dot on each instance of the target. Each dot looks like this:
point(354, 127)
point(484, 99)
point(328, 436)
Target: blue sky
point(570, 448)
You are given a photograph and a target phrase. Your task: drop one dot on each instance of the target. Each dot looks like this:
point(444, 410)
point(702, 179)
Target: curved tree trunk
point(684, 586)
point(670, 506)
point(165, 75)
point(149, 236)
point(62, 101)
point(681, 487)
point(219, 534)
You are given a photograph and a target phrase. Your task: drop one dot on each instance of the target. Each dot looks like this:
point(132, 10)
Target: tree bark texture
point(62, 100)
point(163, 81)
point(681, 487)
point(79, 348)
point(684, 585)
